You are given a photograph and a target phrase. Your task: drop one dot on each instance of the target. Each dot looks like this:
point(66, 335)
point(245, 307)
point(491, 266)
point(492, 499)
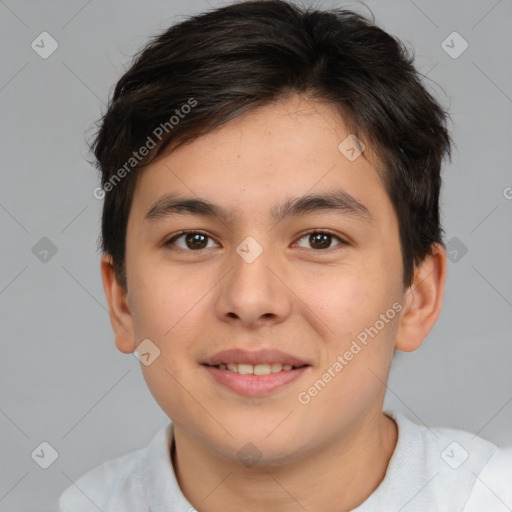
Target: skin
point(327, 455)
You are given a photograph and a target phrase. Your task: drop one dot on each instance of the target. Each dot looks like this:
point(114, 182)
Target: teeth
point(262, 369)
point(257, 369)
point(245, 369)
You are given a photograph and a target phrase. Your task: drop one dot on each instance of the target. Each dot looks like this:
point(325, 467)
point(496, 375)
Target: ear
point(422, 301)
point(120, 315)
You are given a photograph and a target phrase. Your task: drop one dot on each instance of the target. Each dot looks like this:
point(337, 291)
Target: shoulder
point(447, 464)
point(94, 489)
point(500, 465)
point(493, 487)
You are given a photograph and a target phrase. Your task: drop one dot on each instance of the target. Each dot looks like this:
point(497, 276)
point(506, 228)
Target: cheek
point(343, 297)
point(349, 303)
point(165, 305)
point(163, 298)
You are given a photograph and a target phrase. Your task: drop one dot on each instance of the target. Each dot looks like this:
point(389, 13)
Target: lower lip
point(254, 385)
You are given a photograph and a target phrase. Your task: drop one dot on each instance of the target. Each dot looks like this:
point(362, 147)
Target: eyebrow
point(336, 200)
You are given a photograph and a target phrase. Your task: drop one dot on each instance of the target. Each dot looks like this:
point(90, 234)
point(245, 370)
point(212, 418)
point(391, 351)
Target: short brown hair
point(237, 58)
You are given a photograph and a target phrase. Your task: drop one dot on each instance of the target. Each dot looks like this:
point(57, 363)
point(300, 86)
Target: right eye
point(192, 241)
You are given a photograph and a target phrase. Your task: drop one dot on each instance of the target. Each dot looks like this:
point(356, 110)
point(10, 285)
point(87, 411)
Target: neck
point(337, 478)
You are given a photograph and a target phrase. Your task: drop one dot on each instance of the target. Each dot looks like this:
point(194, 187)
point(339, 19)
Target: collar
point(430, 469)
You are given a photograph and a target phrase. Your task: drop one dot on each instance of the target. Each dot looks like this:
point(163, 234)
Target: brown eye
point(195, 241)
point(190, 241)
point(321, 239)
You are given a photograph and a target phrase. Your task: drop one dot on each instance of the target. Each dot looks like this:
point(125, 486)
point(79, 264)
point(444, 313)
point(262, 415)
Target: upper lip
point(254, 357)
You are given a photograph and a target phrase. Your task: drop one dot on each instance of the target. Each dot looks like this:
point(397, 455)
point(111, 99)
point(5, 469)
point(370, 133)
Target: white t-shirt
point(431, 470)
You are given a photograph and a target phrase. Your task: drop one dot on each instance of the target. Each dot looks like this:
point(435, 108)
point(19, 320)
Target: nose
point(253, 294)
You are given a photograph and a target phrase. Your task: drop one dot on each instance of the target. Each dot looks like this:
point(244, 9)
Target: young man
point(271, 235)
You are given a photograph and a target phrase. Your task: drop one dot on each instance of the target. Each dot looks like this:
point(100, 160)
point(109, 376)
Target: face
point(273, 281)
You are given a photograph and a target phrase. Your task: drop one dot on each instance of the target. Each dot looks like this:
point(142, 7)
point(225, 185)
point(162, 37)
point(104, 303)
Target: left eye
point(321, 239)
point(195, 240)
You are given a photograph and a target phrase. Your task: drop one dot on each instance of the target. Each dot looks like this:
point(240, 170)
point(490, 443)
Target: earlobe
point(120, 314)
point(423, 301)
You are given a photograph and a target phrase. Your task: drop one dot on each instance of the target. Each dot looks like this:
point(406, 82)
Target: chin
point(263, 450)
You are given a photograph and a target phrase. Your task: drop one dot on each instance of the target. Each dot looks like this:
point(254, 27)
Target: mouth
point(256, 369)
point(261, 357)
point(254, 374)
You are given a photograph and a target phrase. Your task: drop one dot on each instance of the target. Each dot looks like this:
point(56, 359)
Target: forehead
point(289, 149)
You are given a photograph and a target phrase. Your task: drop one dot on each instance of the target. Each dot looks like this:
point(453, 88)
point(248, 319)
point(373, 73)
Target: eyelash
point(171, 240)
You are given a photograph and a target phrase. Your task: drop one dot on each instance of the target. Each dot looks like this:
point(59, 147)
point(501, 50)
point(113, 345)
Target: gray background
point(62, 379)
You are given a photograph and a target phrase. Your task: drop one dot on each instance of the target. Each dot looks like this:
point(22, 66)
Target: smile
point(255, 369)
point(254, 380)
